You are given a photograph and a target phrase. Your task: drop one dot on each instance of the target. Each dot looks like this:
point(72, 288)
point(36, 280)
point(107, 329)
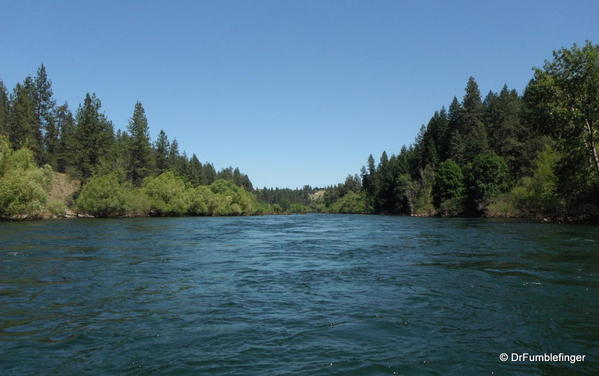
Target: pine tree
point(94, 135)
point(195, 171)
point(44, 111)
point(507, 136)
point(4, 108)
point(456, 146)
point(161, 150)
point(173, 155)
point(471, 122)
point(139, 161)
point(208, 174)
point(67, 146)
point(23, 129)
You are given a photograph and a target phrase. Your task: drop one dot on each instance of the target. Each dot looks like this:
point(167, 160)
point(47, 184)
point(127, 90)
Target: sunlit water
point(296, 295)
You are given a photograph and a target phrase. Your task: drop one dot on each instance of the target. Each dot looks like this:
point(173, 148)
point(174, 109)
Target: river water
point(296, 295)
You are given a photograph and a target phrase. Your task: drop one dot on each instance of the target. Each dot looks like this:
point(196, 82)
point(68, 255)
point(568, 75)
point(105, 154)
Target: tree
point(471, 122)
point(23, 128)
point(67, 145)
point(562, 98)
point(456, 145)
point(94, 135)
point(4, 108)
point(448, 188)
point(173, 155)
point(507, 135)
point(195, 171)
point(208, 173)
point(486, 177)
point(140, 152)
point(161, 150)
point(44, 111)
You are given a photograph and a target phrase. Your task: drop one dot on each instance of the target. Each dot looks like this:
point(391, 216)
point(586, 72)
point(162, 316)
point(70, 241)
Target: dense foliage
point(508, 155)
point(121, 172)
point(23, 185)
point(164, 195)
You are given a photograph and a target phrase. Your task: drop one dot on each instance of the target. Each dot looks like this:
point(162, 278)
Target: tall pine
point(94, 135)
point(4, 107)
point(23, 129)
point(44, 111)
point(161, 152)
point(139, 164)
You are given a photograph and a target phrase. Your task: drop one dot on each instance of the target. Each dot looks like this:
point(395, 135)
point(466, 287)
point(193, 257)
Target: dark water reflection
point(301, 295)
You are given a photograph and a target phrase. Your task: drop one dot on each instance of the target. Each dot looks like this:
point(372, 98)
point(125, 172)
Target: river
point(296, 295)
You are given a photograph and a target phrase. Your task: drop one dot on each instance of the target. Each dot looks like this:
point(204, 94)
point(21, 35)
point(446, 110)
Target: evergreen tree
point(471, 122)
point(456, 144)
point(4, 109)
point(161, 150)
point(44, 111)
point(139, 158)
point(173, 155)
point(67, 145)
point(208, 174)
point(23, 128)
point(195, 171)
point(506, 134)
point(94, 136)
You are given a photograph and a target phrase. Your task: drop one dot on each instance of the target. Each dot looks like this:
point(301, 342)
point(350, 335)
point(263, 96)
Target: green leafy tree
point(486, 177)
point(23, 186)
point(448, 188)
point(562, 101)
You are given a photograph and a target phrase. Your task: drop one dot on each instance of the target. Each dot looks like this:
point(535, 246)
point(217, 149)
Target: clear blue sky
point(292, 92)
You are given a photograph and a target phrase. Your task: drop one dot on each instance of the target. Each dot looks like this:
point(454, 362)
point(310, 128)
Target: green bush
point(351, 203)
point(537, 194)
point(23, 185)
point(167, 194)
point(104, 196)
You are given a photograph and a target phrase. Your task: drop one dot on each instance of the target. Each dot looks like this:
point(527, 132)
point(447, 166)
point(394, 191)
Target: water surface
point(297, 295)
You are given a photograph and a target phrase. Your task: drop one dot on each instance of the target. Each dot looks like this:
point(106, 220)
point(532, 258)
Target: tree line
point(119, 172)
point(531, 155)
point(505, 154)
point(86, 144)
point(508, 154)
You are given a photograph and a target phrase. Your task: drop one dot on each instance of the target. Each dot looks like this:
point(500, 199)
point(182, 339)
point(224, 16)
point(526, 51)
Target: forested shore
point(530, 155)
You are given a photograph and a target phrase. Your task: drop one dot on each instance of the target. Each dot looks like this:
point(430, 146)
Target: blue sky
point(292, 92)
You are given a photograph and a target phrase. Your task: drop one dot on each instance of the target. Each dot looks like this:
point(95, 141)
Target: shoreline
point(74, 216)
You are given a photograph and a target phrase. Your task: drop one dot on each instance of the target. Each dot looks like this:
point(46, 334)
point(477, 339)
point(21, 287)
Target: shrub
point(166, 194)
point(23, 185)
point(104, 196)
point(350, 203)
